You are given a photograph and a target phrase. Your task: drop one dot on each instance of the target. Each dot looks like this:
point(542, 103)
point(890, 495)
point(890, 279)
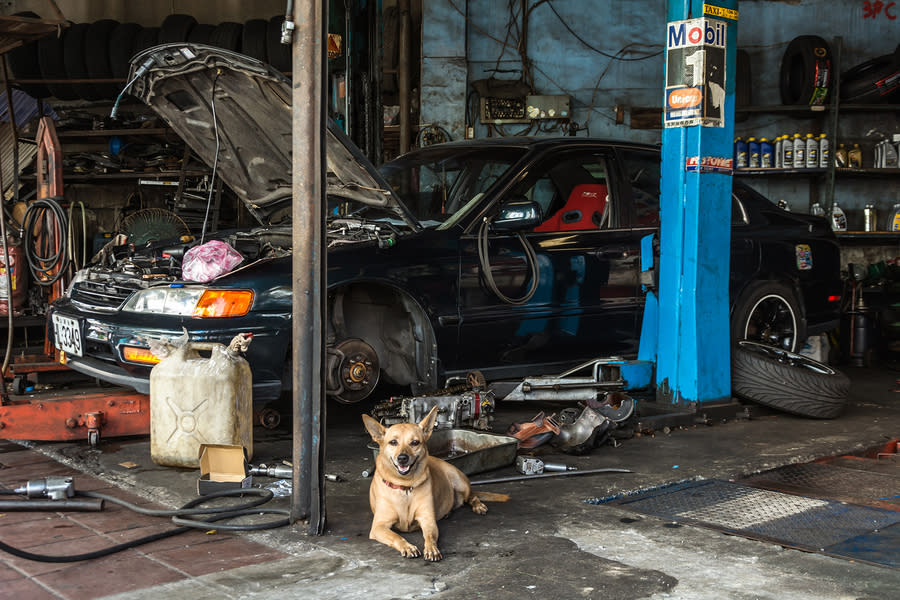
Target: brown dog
point(411, 490)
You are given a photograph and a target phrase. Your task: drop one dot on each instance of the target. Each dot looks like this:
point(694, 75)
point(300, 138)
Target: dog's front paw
point(409, 551)
point(432, 553)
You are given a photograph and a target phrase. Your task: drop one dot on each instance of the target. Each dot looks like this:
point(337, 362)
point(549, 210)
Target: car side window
point(571, 191)
point(642, 168)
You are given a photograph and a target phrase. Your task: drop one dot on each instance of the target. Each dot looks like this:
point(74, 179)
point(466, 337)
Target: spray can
point(824, 151)
point(766, 154)
point(869, 218)
point(799, 152)
point(812, 152)
point(740, 153)
point(753, 152)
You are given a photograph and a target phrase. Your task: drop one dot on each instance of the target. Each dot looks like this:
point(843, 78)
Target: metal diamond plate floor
point(811, 524)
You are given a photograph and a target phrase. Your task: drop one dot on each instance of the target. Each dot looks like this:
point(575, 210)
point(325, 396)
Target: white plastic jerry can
point(198, 400)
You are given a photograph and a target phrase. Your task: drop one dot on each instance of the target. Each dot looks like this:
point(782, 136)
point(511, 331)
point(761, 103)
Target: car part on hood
point(353, 371)
point(469, 409)
point(198, 89)
point(153, 225)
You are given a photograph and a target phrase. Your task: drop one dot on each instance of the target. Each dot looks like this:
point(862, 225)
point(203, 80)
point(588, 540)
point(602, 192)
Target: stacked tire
point(90, 61)
point(873, 81)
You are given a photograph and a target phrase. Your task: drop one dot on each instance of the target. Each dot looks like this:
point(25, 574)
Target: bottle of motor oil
point(894, 221)
point(824, 151)
point(787, 159)
point(799, 152)
point(816, 210)
point(766, 154)
point(838, 218)
point(753, 152)
point(779, 152)
point(812, 152)
point(840, 157)
point(869, 218)
point(854, 157)
point(740, 153)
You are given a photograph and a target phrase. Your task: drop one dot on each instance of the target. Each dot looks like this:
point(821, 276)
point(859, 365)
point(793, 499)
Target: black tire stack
point(86, 52)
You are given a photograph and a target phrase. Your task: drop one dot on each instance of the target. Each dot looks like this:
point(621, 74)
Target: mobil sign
point(695, 72)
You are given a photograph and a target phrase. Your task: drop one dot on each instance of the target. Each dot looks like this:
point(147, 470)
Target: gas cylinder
point(18, 278)
point(197, 400)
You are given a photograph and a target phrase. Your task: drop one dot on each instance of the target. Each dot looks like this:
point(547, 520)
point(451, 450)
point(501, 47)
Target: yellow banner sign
point(719, 11)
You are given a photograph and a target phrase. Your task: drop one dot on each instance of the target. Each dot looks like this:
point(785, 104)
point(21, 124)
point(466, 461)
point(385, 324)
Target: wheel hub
point(358, 370)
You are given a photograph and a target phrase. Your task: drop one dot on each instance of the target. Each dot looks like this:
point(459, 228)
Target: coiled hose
point(180, 516)
point(45, 223)
point(484, 260)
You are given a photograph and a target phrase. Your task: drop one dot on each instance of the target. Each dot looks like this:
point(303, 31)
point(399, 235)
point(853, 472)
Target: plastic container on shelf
point(824, 151)
point(893, 223)
point(869, 218)
point(753, 153)
point(838, 218)
point(787, 159)
point(816, 210)
point(854, 157)
point(840, 156)
point(799, 151)
point(812, 151)
point(766, 154)
point(740, 153)
point(779, 152)
point(198, 400)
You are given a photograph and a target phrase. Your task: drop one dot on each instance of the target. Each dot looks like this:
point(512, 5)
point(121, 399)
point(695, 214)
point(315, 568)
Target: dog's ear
point(375, 429)
point(427, 424)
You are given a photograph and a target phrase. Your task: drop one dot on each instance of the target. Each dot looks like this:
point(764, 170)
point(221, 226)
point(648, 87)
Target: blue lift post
point(693, 351)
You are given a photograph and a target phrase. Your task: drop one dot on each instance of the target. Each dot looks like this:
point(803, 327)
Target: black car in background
point(511, 256)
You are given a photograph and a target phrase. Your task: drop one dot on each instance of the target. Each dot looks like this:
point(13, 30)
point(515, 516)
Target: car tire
point(279, 54)
point(805, 66)
point(51, 56)
point(73, 57)
point(768, 312)
point(146, 38)
point(227, 35)
point(176, 28)
point(787, 381)
point(201, 33)
point(871, 82)
point(24, 63)
point(97, 59)
point(253, 39)
point(121, 48)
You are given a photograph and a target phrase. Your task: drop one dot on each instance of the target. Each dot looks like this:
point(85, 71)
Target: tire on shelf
point(253, 39)
point(121, 48)
point(876, 80)
point(146, 38)
point(200, 33)
point(24, 63)
point(176, 28)
point(97, 59)
point(787, 381)
point(279, 55)
point(51, 55)
point(73, 57)
point(769, 312)
point(805, 68)
point(227, 35)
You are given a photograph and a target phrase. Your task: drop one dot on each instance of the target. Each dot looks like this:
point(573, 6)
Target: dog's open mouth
point(404, 469)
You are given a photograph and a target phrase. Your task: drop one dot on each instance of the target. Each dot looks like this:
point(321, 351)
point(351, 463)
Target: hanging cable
point(45, 223)
point(78, 259)
point(215, 166)
point(485, 262)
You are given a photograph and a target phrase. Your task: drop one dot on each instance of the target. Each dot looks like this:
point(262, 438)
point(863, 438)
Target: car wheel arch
point(394, 324)
point(769, 286)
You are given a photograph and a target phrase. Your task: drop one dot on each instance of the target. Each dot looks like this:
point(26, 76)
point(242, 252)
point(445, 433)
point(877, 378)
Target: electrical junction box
point(499, 111)
point(547, 106)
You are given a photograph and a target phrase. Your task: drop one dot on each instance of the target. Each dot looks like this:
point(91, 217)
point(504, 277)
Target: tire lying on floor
point(787, 381)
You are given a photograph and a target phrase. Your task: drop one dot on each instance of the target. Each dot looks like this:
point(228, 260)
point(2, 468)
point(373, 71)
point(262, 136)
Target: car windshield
point(440, 184)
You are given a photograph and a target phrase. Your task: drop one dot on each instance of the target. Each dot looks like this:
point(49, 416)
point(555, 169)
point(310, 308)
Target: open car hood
point(189, 84)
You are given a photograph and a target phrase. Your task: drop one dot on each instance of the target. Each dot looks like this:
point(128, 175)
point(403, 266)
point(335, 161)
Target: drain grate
point(833, 482)
point(811, 524)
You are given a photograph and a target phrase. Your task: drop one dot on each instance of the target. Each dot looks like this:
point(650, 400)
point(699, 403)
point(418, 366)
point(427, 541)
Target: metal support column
point(694, 358)
point(308, 206)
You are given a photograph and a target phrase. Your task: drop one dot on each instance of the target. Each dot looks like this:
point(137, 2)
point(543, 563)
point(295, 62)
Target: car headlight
point(191, 302)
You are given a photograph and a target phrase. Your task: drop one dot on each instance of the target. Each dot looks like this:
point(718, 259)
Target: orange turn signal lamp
point(136, 354)
point(224, 303)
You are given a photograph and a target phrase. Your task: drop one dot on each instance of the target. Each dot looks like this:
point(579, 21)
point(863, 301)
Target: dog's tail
point(492, 497)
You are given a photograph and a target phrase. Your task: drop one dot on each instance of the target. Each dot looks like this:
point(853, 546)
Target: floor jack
point(63, 416)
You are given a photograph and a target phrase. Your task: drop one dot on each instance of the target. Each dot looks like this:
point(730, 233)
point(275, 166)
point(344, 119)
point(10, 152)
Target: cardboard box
point(222, 467)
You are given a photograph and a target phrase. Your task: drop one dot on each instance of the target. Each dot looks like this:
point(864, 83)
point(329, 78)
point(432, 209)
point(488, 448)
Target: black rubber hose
point(226, 512)
point(37, 505)
point(46, 268)
point(488, 274)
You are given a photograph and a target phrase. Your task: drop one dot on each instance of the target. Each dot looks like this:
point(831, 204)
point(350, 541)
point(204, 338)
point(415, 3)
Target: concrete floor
point(546, 542)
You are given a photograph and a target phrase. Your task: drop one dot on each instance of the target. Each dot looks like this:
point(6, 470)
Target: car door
point(585, 302)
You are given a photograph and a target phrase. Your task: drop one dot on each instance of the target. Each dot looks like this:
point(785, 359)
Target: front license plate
point(67, 334)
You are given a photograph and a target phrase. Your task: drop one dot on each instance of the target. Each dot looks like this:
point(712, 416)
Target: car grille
point(102, 296)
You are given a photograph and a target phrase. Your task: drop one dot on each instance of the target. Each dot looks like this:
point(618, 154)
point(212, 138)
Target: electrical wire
point(77, 260)
point(178, 517)
point(598, 51)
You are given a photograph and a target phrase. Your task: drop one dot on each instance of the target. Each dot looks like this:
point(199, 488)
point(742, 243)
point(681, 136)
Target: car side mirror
point(517, 215)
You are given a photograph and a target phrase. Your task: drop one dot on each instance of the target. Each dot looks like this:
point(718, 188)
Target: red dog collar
point(394, 486)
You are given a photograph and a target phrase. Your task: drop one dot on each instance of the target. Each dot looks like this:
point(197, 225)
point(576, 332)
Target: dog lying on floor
point(411, 490)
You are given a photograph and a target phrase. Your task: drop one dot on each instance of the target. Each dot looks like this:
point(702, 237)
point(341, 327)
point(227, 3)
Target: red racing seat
point(583, 210)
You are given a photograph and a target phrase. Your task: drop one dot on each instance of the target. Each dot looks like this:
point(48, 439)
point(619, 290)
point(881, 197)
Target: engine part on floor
point(578, 433)
point(187, 517)
point(586, 381)
point(54, 487)
point(530, 465)
point(535, 432)
point(469, 409)
point(543, 475)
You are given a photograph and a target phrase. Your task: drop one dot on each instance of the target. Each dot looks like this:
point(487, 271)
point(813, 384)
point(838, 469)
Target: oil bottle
point(838, 218)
